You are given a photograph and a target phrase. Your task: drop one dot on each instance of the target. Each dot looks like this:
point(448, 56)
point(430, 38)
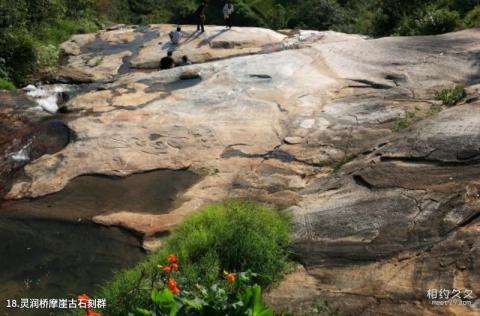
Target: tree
point(317, 14)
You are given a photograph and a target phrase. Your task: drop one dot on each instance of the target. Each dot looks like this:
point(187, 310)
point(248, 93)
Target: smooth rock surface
point(381, 214)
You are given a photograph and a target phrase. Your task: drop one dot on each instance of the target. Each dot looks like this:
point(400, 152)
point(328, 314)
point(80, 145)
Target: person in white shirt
point(175, 36)
point(227, 14)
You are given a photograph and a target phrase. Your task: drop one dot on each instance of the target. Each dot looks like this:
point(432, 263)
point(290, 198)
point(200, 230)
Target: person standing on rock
point(200, 15)
point(227, 14)
point(167, 62)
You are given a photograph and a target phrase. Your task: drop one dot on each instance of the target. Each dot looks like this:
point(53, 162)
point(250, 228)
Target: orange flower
point(172, 284)
point(167, 269)
point(92, 313)
point(174, 267)
point(176, 291)
point(83, 297)
point(172, 258)
point(231, 277)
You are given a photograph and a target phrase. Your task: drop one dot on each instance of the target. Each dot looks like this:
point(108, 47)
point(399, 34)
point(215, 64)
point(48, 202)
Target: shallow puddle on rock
point(50, 249)
point(86, 196)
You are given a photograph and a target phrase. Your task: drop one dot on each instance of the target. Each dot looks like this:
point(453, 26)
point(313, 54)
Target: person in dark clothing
point(185, 61)
point(227, 14)
point(167, 62)
point(200, 15)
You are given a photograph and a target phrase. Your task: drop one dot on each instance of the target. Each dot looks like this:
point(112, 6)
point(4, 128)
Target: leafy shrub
point(232, 295)
point(3, 69)
point(47, 55)
point(429, 21)
point(246, 15)
point(405, 121)
point(472, 19)
point(451, 96)
point(6, 85)
point(57, 31)
point(234, 236)
point(237, 236)
point(17, 48)
point(437, 21)
point(318, 14)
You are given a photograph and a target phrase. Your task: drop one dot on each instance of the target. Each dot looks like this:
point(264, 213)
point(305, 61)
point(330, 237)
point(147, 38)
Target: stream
point(50, 248)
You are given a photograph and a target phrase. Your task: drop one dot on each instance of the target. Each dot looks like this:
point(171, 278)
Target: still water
point(50, 249)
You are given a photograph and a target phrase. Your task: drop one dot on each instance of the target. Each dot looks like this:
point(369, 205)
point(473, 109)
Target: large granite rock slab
point(307, 122)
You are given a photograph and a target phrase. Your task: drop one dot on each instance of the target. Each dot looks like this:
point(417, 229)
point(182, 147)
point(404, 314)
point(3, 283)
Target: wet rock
point(25, 135)
point(49, 137)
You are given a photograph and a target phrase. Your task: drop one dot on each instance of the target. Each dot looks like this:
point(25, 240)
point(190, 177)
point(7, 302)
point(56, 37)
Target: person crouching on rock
point(200, 15)
point(185, 61)
point(175, 36)
point(227, 14)
point(167, 62)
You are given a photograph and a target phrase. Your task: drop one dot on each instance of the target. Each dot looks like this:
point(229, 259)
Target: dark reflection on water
point(50, 249)
point(86, 196)
point(55, 259)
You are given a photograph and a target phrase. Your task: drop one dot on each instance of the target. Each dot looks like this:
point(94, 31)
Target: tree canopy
point(30, 30)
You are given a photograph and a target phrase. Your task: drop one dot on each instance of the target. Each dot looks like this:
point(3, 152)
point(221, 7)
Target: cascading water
point(50, 97)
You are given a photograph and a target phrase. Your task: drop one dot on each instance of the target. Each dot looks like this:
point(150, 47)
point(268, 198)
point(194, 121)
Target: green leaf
point(142, 312)
point(265, 312)
point(259, 309)
point(195, 303)
point(162, 298)
point(165, 300)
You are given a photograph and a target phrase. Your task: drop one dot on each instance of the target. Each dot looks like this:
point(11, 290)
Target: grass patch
point(405, 120)
point(451, 96)
point(232, 236)
point(415, 115)
point(57, 31)
point(7, 85)
point(337, 165)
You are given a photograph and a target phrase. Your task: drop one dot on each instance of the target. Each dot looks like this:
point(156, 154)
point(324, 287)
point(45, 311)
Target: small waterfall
point(49, 97)
point(22, 155)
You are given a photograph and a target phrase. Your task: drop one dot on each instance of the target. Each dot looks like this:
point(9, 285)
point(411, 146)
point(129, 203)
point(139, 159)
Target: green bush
point(57, 31)
point(430, 21)
point(451, 96)
point(6, 85)
point(17, 48)
point(24, 53)
point(472, 19)
point(405, 121)
point(437, 21)
point(47, 55)
point(234, 295)
point(234, 236)
point(318, 14)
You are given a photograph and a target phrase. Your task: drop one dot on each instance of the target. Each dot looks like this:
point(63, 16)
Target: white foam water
point(22, 154)
point(48, 96)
